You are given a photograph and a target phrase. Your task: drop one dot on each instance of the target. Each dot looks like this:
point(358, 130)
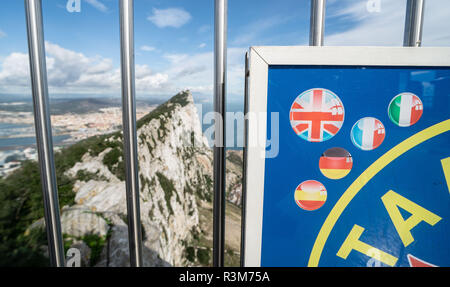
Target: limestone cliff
point(175, 174)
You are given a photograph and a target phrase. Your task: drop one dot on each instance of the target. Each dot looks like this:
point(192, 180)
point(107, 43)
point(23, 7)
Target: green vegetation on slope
point(166, 109)
point(21, 201)
point(169, 189)
point(93, 241)
point(198, 250)
point(111, 160)
point(22, 204)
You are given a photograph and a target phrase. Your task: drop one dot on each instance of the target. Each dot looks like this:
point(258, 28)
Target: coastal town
point(74, 127)
point(80, 127)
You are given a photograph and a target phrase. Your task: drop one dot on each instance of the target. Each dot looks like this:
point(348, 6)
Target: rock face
point(234, 167)
point(175, 178)
point(175, 173)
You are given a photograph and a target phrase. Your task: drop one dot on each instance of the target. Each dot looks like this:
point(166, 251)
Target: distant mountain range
point(76, 106)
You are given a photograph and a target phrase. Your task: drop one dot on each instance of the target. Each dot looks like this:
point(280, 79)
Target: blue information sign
point(362, 171)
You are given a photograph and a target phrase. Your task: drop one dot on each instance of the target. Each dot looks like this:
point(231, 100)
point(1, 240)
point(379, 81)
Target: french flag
point(368, 133)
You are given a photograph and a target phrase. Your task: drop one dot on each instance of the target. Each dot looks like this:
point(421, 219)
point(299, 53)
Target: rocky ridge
point(175, 171)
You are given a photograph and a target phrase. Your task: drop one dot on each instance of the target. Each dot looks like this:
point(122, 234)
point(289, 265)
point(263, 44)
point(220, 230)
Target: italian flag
point(405, 109)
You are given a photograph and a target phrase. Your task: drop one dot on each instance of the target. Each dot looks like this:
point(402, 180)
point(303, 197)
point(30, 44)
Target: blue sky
point(174, 40)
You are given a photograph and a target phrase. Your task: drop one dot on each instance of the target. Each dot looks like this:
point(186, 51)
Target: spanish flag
point(335, 163)
point(310, 195)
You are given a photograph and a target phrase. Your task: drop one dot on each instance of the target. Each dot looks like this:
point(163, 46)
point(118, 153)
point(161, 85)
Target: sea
point(10, 138)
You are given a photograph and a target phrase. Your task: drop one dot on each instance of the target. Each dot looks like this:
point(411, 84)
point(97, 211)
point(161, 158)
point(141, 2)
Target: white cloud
point(192, 72)
point(436, 27)
point(235, 75)
point(176, 58)
point(170, 17)
point(75, 73)
point(15, 71)
point(148, 48)
point(72, 72)
point(349, 10)
point(196, 72)
point(202, 45)
point(387, 26)
point(256, 30)
point(2, 34)
point(97, 5)
point(378, 29)
point(148, 82)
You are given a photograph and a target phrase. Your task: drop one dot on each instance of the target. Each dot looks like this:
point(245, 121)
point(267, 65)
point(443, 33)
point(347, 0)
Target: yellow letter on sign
point(418, 214)
point(446, 167)
point(352, 242)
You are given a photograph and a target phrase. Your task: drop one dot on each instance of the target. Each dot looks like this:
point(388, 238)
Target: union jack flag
point(317, 115)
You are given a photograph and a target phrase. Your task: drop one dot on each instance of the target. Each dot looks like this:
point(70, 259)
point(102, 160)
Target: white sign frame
point(260, 58)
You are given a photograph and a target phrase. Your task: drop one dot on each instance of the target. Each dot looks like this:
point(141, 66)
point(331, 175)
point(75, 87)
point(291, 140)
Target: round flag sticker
point(335, 163)
point(405, 109)
point(317, 115)
point(310, 195)
point(368, 133)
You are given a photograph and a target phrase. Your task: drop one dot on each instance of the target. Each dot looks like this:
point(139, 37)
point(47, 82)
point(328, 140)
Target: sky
point(174, 41)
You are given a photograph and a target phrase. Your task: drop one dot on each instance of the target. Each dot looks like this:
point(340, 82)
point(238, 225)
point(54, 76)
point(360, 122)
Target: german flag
point(310, 195)
point(335, 163)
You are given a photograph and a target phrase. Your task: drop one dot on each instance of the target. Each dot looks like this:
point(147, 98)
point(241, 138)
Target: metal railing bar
point(129, 131)
point(244, 168)
point(220, 65)
point(317, 22)
point(414, 23)
point(44, 142)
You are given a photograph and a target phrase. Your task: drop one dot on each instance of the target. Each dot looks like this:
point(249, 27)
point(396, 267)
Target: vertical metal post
point(44, 142)
point(414, 23)
point(317, 24)
point(220, 63)
point(129, 131)
point(244, 168)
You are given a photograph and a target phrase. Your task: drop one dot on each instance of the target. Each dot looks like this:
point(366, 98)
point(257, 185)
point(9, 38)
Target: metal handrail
point(317, 22)
point(129, 131)
point(414, 23)
point(44, 141)
point(220, 67)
